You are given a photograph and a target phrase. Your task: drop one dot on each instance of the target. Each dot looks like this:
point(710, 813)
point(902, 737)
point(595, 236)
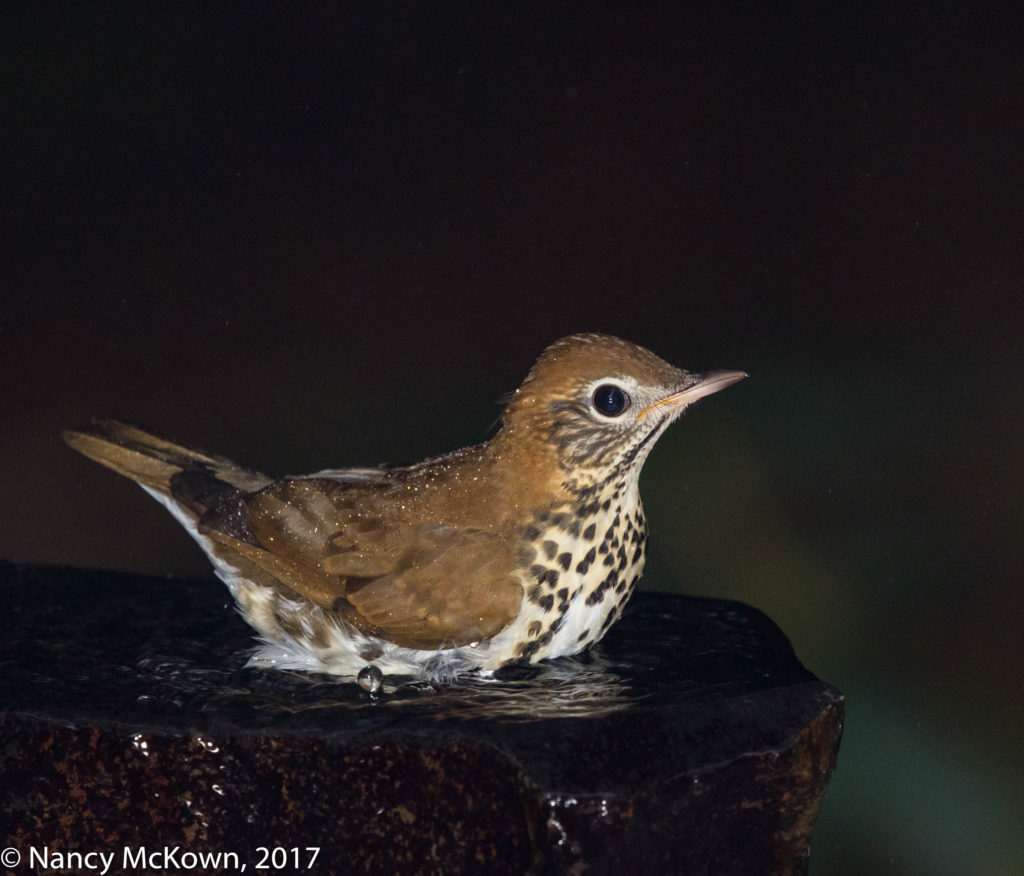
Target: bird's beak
point(698, 386)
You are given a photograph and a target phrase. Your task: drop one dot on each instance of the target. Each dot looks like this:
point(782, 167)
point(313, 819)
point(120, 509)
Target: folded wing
point(419, 584)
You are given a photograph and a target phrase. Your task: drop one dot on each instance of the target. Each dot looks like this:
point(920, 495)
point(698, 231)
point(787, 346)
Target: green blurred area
point(875, 515)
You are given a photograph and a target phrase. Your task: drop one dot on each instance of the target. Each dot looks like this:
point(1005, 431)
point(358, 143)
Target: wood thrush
point(523, 548)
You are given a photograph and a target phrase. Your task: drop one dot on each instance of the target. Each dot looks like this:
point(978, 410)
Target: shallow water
point(92, 645)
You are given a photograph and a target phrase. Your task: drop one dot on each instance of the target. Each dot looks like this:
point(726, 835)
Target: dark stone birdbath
point(691, 740)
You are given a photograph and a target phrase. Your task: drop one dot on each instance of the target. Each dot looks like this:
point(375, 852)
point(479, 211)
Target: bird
point(520, 549)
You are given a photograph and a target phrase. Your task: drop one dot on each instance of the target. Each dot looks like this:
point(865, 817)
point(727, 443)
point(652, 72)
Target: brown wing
point(419, 584)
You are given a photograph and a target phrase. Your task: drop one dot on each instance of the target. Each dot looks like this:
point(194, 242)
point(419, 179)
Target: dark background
point(307, 238)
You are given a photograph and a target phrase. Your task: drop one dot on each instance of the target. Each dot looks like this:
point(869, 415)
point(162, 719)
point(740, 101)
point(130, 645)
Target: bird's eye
point(610, 400)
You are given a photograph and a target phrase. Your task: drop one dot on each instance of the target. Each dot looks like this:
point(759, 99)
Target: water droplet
point(208, 744)
point(370, 679)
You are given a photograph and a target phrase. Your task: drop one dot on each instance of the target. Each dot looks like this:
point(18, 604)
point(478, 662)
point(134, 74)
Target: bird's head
point(598, 404)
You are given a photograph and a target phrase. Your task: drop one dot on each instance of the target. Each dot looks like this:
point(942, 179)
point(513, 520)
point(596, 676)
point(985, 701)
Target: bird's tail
point(152, 461)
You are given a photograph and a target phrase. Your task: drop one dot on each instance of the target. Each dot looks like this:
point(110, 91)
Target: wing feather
point(418, 583)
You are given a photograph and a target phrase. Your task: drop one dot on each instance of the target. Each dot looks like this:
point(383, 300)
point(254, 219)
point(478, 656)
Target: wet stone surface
point(690, 739)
